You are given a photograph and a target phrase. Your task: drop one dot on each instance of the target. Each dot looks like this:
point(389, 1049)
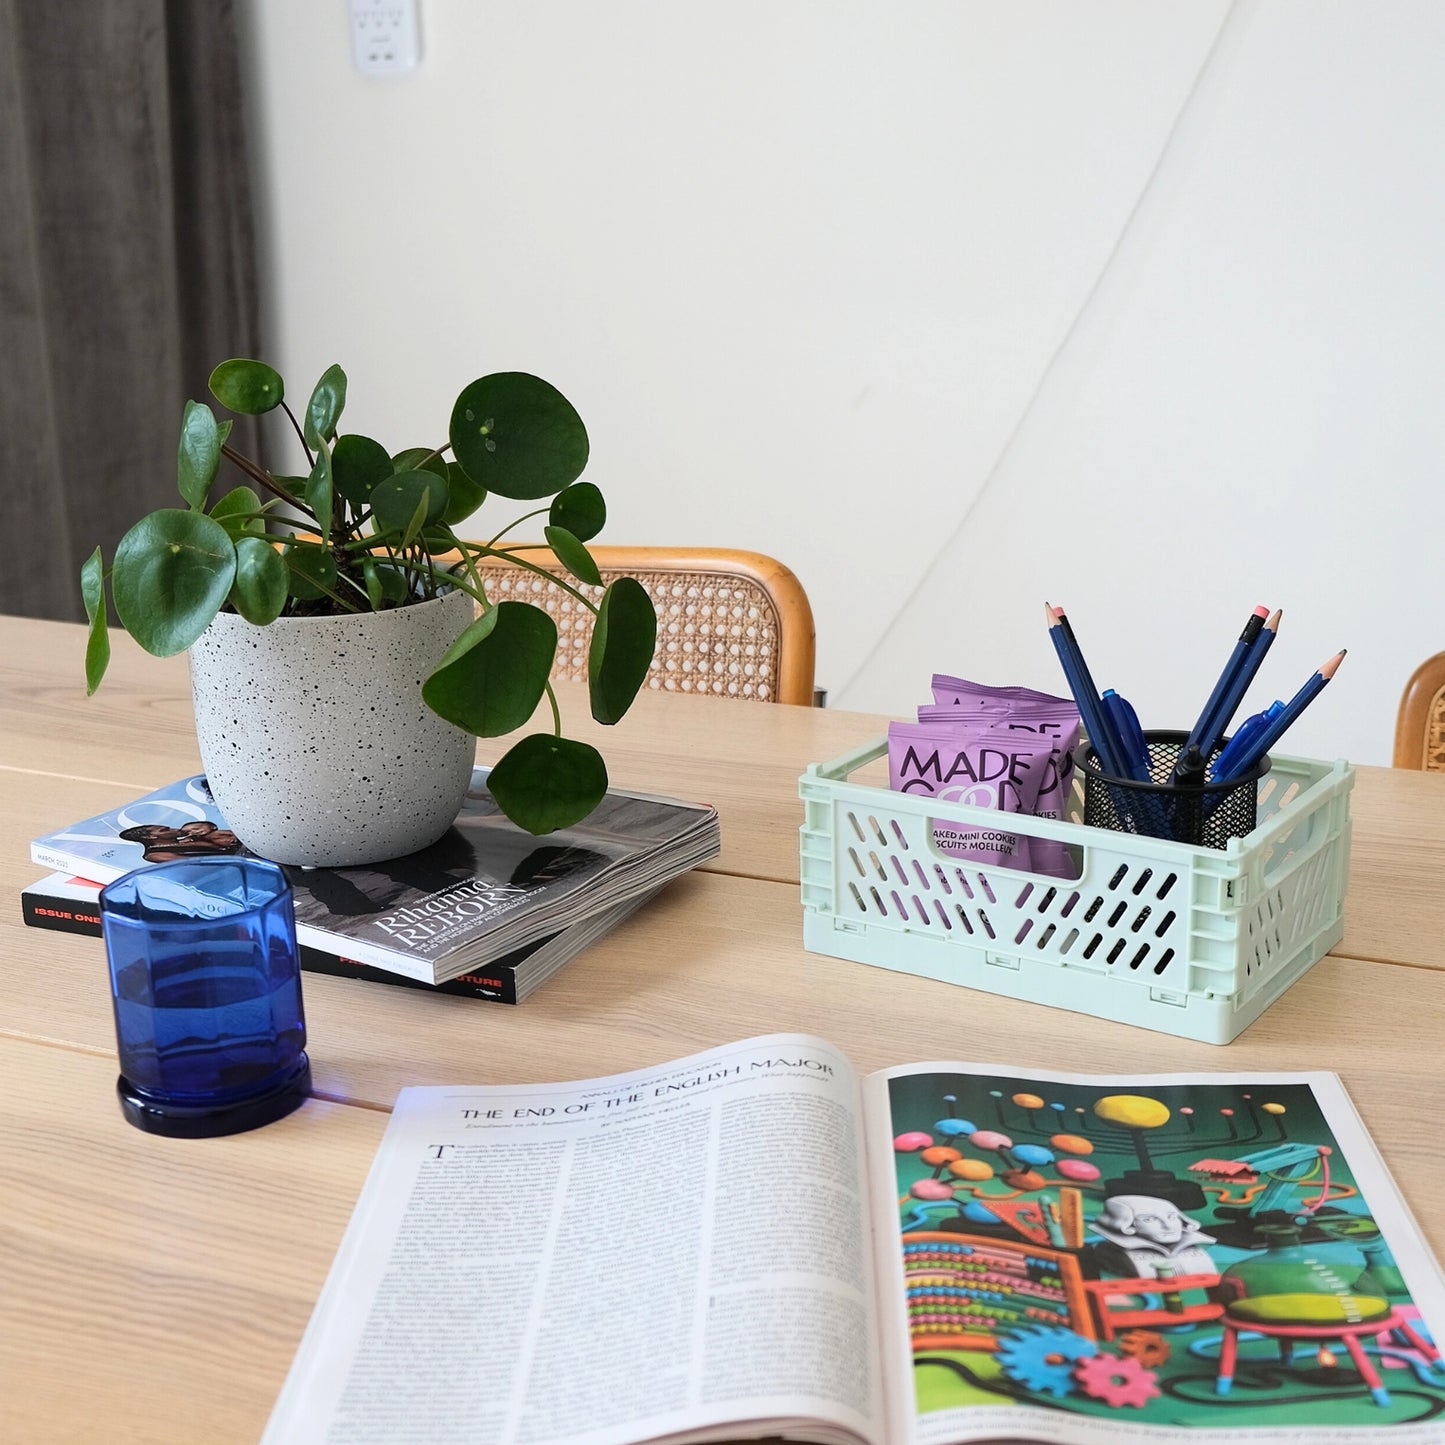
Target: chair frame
point(1420, 704)
point(797, 639)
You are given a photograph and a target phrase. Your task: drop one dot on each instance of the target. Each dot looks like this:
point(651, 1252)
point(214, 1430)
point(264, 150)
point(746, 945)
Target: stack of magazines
point(489, 910)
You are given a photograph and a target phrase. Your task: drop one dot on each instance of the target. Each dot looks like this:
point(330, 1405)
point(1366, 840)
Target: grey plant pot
point(314, 736)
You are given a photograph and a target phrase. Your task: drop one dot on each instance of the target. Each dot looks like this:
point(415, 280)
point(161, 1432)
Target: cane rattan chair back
point(1420, 723)
point(729, 624)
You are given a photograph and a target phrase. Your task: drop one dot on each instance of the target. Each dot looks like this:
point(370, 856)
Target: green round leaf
point(259, 591)
point(239, 513)
point(250, 387)
point(198, 457)
point(357, 465)
point(466, 495)
point(173, 571)
point(623, 641)
point(394, 502)
point(422, 459)
point(394, 588)
point(543, 782)
point(324, 409)
point(494, 674)
point(372, 579)
point(296, 486)
point(518, 436)
point(573, 555)
point(311, 571)
point(580, 509)
point(438, 539)
point(318, 490)
point(97, 642)
point(384, 582)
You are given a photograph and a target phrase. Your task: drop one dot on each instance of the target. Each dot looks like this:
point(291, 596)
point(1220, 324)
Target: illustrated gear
point(1043, 1357)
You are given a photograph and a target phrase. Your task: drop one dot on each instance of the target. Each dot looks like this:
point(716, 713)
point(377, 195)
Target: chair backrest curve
point(730, 624)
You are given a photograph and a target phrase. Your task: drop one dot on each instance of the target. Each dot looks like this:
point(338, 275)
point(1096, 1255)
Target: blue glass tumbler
point(206, 984)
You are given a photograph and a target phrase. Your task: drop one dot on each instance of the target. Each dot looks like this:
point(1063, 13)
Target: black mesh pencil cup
point(1207, 815)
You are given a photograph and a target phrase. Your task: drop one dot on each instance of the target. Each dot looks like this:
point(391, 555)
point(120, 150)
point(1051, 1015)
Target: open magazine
point(751, 1241)
point(486, 889)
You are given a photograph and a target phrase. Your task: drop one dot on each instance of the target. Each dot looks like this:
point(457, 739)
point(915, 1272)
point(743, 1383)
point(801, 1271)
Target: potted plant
point(344, 652)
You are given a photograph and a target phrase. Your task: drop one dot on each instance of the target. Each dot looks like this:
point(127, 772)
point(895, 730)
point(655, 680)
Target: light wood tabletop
point(157, 1289)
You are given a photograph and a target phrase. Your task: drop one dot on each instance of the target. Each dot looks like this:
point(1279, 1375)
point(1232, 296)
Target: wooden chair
point(1420, 723)
point(729, 624)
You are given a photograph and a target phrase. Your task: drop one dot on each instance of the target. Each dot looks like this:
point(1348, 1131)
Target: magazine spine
point(59, 861)
point(70, 915)
point(64, 915)
point(497, 985)
point(382, 959)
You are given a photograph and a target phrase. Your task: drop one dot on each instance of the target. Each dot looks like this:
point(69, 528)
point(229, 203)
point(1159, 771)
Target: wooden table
point(156, 1289)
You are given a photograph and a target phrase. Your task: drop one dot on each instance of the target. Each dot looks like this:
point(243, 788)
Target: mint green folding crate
point(1169, 936)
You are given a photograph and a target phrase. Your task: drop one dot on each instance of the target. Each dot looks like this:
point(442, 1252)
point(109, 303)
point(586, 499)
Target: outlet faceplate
point(385, 36)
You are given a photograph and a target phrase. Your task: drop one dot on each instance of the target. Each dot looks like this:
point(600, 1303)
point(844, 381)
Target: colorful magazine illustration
point(752, 1241)
point(1202, 1253)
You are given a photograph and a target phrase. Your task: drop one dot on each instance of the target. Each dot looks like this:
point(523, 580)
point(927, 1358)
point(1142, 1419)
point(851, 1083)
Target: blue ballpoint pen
point(1238, 746)
point(1131, 735)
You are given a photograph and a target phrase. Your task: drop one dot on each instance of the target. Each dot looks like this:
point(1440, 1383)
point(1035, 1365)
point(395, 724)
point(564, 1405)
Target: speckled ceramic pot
point(314, 736)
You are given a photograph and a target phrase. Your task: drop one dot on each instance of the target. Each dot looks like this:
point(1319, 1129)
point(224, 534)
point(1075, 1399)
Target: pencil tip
point(1328, 669)
point(1273, 624)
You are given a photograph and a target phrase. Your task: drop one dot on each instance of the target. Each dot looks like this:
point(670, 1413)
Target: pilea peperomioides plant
point(366, 530)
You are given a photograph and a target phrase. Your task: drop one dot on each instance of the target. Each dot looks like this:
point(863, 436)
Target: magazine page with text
point(1104, 1260)
point(677, 1253)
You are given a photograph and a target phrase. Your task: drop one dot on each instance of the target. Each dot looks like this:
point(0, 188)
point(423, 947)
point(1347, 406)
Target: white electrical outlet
point(385, 36)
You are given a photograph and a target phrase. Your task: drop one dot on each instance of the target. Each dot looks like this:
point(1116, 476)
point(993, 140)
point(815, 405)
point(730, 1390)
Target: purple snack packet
point(1053, 720)
point(958, 691)
point(974, 765)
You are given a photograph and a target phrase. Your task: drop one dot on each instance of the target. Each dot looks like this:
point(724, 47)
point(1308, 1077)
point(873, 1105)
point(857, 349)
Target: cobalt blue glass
point(206, 984)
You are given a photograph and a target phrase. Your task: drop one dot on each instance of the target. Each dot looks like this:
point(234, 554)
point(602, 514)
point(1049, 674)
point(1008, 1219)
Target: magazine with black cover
point(68, 904)
point(484, 890)
point(753, 1241)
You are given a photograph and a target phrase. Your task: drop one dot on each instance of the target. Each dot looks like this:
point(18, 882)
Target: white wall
point(952, 306)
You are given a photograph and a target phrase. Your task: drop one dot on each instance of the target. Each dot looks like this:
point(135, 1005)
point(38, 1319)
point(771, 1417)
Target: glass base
point(208, 1121)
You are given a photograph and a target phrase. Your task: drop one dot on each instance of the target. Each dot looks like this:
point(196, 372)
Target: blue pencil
point(1267, 735)
point(1207, 730)
point(1229, 704)
point(1096, 722)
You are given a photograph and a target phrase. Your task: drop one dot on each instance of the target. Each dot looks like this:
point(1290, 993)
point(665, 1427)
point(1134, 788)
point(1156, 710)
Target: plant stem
point(540, 512)
point(433, 455)
point(470, 564)
point(261, 476)
point(476, 593)
point(336, 597)
point(301, 435)
point(587, 602)
point(556, 711)
point(355, 586)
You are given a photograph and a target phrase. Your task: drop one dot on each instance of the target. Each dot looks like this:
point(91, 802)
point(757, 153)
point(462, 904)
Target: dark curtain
point(127, 268)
